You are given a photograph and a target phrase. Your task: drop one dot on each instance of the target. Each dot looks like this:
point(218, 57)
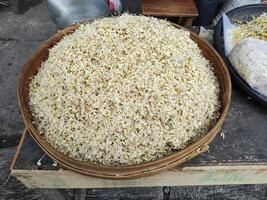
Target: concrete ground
point(23, 27)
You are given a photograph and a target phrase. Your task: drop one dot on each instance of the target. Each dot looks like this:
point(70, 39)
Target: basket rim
point(98, 170)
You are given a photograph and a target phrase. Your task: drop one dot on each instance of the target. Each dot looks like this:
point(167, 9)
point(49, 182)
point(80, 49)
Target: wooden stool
point(186, 9)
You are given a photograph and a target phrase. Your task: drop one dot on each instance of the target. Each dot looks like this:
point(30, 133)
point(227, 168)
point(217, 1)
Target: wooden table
point(186, 9)
point(238, 155)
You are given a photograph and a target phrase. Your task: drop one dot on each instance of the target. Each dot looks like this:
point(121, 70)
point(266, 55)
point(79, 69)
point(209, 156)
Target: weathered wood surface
point(184, 176)
point(243, 138)
point(233, 151)
point(244, 127)
point(237, 145)
point(172, 8)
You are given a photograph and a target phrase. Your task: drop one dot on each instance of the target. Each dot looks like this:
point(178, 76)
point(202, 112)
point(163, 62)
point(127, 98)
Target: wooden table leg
point(188, 21)
point(79, 194)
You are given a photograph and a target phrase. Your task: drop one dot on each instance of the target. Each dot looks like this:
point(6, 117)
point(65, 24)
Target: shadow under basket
point(122, 172)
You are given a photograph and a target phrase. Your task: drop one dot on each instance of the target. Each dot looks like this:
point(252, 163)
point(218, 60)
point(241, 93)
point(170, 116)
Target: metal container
point(67, 12)
point(243, 14)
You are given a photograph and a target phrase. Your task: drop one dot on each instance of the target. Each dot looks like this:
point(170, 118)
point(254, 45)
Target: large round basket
point(121, 172)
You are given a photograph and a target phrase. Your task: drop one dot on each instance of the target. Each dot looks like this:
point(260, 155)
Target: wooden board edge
point(14, 160)
point(144, 8)
point(145, 13)
point(184, 176)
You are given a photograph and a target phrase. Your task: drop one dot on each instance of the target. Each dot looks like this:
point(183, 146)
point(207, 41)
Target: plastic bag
point(249, 58)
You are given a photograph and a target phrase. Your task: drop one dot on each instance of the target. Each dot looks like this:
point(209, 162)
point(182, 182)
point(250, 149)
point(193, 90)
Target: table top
point(243, 138)
point(174, 8)
point(237, 155)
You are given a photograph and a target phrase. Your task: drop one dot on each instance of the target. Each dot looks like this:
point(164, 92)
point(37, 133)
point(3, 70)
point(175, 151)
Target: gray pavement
point(21, 31)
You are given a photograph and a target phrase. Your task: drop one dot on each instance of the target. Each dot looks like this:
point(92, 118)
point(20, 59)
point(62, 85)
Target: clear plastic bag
point(249, 58)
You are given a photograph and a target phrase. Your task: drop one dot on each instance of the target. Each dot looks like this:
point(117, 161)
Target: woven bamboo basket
point(121, 172)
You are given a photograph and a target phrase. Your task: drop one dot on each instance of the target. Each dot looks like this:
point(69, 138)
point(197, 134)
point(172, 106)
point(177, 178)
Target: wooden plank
point(238, 145)
point(187, 21)
point(171, 8)
point(179, 176)
point(18, 148)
